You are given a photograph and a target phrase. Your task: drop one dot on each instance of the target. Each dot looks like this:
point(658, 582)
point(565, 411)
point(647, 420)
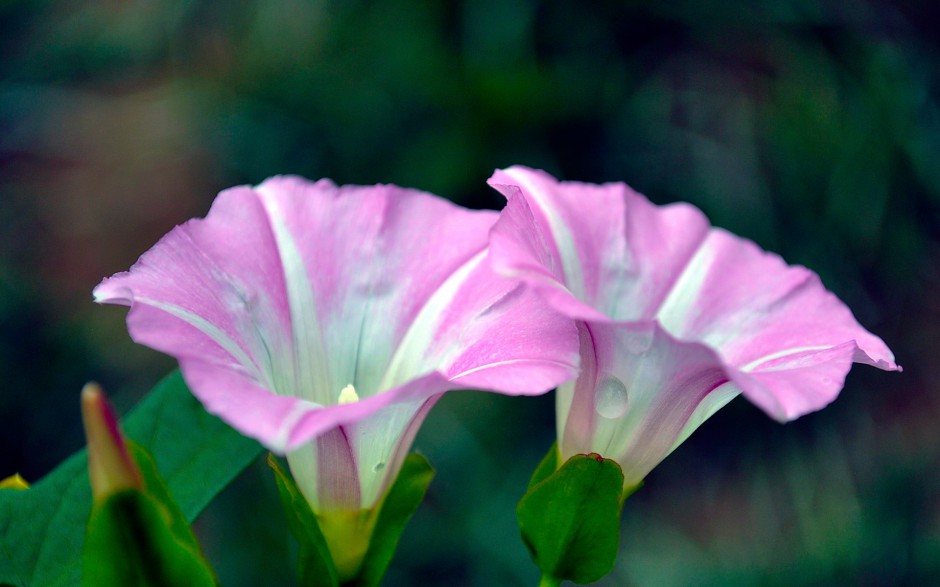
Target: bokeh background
point(811, 127)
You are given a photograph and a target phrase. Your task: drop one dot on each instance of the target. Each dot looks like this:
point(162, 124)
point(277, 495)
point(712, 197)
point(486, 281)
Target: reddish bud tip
point(110, 467)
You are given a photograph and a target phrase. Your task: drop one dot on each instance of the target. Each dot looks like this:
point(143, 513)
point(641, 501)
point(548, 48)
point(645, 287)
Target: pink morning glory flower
point(676, 317)
point(325, 321)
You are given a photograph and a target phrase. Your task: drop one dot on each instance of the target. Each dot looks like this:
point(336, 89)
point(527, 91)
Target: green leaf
point(570, 520)
point(315, 566)
point(197, 454)
point(401, 502)
point(43, 527)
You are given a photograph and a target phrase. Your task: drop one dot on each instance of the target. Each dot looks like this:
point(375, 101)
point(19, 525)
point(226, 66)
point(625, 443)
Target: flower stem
point(549, 581)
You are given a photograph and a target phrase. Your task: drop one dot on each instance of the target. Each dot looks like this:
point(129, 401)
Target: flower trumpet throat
point(289, 291)
point(675, 317)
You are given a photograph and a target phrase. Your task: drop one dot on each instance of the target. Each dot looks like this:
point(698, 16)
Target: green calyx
point(352, 548)
point(570, 517)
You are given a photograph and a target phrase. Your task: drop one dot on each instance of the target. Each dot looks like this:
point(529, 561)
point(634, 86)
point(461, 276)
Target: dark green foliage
point(813, 128)
point(130, 542)
point(43, 527)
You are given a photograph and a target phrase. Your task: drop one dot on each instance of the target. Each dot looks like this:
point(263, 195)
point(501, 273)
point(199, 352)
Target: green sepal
point(570, 519)
point(315, 566)
point(140, 537)
point(547, 466)
point(400, 503)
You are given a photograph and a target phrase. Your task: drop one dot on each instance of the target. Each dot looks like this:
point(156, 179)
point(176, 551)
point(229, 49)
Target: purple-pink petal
point(641, 392)
point(766, 317)
point(605, 255)
point(597, 252)
point(287, 292)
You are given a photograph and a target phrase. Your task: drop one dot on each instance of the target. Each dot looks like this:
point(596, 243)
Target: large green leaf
point(570, 519)
point(197, 455)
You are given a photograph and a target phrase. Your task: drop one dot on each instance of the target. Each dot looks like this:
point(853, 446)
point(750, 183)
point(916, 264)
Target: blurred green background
point(811, 127)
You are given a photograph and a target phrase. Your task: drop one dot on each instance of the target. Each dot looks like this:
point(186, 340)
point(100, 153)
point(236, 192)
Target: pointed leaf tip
point(198, 454)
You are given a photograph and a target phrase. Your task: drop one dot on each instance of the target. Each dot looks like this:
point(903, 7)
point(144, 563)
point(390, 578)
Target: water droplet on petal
point(610, 398)
point(378, 467)
point(639, 342)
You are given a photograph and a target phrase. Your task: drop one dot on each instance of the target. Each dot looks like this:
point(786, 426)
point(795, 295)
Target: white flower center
point(348, 395)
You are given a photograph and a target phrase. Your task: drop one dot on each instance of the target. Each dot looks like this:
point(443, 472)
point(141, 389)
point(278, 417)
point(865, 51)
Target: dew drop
point(610, 399)
point(378, 467)
point(639, 342)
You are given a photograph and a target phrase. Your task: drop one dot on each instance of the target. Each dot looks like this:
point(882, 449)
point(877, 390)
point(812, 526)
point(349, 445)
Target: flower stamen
point(348, 395)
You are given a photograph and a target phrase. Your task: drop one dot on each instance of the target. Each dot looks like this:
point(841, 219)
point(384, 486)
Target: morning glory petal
point(597, 252)
point(302, 310)
point(640, 394)
point(211, 293)
point(765, 317)
point(722, 316)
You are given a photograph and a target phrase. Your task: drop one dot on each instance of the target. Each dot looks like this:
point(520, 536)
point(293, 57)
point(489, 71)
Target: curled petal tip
point(110, 467)
point(890, 366)
point(110, 291)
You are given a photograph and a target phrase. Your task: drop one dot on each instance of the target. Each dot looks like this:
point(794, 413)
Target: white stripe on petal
point(311, 375)
point(784, 353)
point(495, 364)
point(714, 401)
point(414, 345)
point(212, 331)
point(677, 307)
point(298, 411)
point(564, 240)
